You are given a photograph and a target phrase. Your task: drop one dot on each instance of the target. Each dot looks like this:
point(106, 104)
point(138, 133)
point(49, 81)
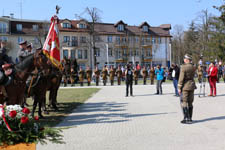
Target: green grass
point(67, 99)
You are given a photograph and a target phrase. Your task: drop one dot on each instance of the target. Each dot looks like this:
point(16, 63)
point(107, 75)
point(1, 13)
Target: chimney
point(11, 15)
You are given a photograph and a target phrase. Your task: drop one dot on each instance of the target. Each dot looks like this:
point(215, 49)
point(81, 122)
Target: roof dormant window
point(120, 27)
point(82, 26)
point(3, 27)
point(35, 27)
point(145, 28)
point(66, 25)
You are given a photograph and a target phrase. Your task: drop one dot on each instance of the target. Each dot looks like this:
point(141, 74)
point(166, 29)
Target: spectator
point(159, 72)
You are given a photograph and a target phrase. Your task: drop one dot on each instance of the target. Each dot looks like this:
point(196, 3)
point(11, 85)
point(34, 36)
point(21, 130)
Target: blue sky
point(132, 12)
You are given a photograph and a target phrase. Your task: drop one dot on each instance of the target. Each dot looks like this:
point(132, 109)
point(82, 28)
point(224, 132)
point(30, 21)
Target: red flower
point(13, 114)
point(24, 120)
point(26, 110)
point(36, 118)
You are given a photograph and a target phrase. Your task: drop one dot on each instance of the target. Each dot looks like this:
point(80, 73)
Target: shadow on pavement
point(210, 119)
point(104, 112)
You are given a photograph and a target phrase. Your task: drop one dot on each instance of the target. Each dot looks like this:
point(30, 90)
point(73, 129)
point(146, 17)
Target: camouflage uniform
point(81, 77)
point(104, 75)
point(88, 75)
point(119, 75)
point(111, 75)
point(152, 75)
point(145, 75)
point(97, 75)
point(136, 73)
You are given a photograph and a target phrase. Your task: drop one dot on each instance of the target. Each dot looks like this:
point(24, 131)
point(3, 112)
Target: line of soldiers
point(110, 74)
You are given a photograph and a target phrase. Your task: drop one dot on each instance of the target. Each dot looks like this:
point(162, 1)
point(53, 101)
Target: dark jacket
point(129, 75)
point(177, 72)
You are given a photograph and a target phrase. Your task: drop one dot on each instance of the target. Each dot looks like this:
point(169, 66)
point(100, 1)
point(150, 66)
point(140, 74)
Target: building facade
point(105, 43)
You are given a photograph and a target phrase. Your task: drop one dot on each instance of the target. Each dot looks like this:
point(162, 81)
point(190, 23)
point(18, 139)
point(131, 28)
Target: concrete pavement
point(111, 121)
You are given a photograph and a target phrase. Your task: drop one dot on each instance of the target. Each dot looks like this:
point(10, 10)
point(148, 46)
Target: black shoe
point(186, 119)
point(190, 114)
point(156, 93)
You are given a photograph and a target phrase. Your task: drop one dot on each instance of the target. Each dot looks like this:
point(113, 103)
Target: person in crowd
point(97, 75)
point(104, 75)
point(22, 53)
point(175, 76)
point(220, 72)
point(144, 75)
point(186, 87)
point(72, 76)
point(81, 76)
point(119, 74)
point(224, 73)
point(212, 75)
point(88, 75)
point(129, 80)
point(136, 74)
point(111, 75)
point(200, 73)
point(159, 72)
point(152, 75)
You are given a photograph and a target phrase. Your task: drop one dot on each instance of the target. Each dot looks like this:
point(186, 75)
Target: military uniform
point(145, 75)
point(119, 75)
point(22, 53)
point(104, 75)
point(97, 75)
point(129, 81)
point(152, 75)
point(88, 75)
point(81, 77)
point(200, 73)
point(186, 85)
point(73, 75)
point(111, 75)
point(136, 73)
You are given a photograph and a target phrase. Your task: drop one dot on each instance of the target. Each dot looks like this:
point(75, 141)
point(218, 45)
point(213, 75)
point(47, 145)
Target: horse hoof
point(41, 117)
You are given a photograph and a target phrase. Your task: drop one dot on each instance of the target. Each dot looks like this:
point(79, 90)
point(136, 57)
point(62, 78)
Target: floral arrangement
point(18, 126)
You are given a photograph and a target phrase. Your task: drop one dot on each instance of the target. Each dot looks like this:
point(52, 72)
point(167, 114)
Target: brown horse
point(16, 88)
point(49, 82)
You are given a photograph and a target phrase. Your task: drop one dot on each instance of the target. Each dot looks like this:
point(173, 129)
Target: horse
point(48, 82)
point(16, 89)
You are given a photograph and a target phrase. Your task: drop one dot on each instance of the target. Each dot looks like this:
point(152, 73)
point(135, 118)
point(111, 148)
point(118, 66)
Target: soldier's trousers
point(81, 84)
point(152, 81)
point(119, 81)
point(104, 82)
point(144, 81)
point(135, 82)
point(112, 82)
point(97, 81)
point(129, 84)
point(188, 98)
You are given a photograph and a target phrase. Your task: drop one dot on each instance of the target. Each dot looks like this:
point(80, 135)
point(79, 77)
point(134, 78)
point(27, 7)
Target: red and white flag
point(51, 46)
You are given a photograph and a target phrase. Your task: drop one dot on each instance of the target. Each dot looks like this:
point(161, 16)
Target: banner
point(51, 46)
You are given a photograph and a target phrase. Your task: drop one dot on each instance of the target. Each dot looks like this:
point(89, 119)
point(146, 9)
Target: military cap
point(39, 48)
point(29, 46)
point(23, 42)
point(187, 56)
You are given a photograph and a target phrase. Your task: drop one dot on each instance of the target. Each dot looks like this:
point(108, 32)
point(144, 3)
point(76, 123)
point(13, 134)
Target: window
point(110, 39)
point(74, 41)
point(19, 27)
point(145, 28)
point(35, 27)
point(65, 53)
point(131, 52)
point(136, 52)
point(82, 26)
point(85, 54)
point(20, 39)
point(110, 52)
point(153, 40)
point(3, 27)
point(120, 27)
point(124, 39)
point(97, 52)
point(97, 38)
point(148, 39)
point(148, 52)
point(130, 39)
point(72, 54)
point(118, 40)
point(124, 52)
point(36, 40)
point(66, 25)
point(136, 39)
point(3, 38)
point(66, 39)
point(79, 54)
point(83, 39)
point(159, 40)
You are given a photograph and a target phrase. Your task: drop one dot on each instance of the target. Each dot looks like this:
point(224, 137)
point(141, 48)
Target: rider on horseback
point(5, 70)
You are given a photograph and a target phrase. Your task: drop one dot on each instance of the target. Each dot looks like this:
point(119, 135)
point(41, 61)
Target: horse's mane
point(25, 63)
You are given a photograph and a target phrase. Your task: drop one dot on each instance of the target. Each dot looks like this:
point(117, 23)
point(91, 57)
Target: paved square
point(111, 121)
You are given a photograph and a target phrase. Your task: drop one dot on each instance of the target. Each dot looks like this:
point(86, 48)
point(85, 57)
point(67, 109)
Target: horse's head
point(41, 61)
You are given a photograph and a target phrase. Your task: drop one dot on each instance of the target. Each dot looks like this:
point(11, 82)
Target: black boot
point(190, 114)
point(186, 115)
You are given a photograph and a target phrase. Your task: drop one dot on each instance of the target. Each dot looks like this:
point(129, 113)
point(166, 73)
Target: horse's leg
point(34, 105)
point(39, 110)
point(43, 100)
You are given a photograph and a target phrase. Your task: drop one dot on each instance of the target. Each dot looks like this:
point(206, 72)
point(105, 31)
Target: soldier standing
point(22, 53)
point(97, 75)
point(88, 74)
point(186, 86)
point(104, 75)
point(72, 76)
point(119, 75)
point(136, 73)
point(81, 76)
point(145, 75)
point(111, 75)
point(200, 73)
point(152, 75)
point(129, 80)
point(29, 49)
